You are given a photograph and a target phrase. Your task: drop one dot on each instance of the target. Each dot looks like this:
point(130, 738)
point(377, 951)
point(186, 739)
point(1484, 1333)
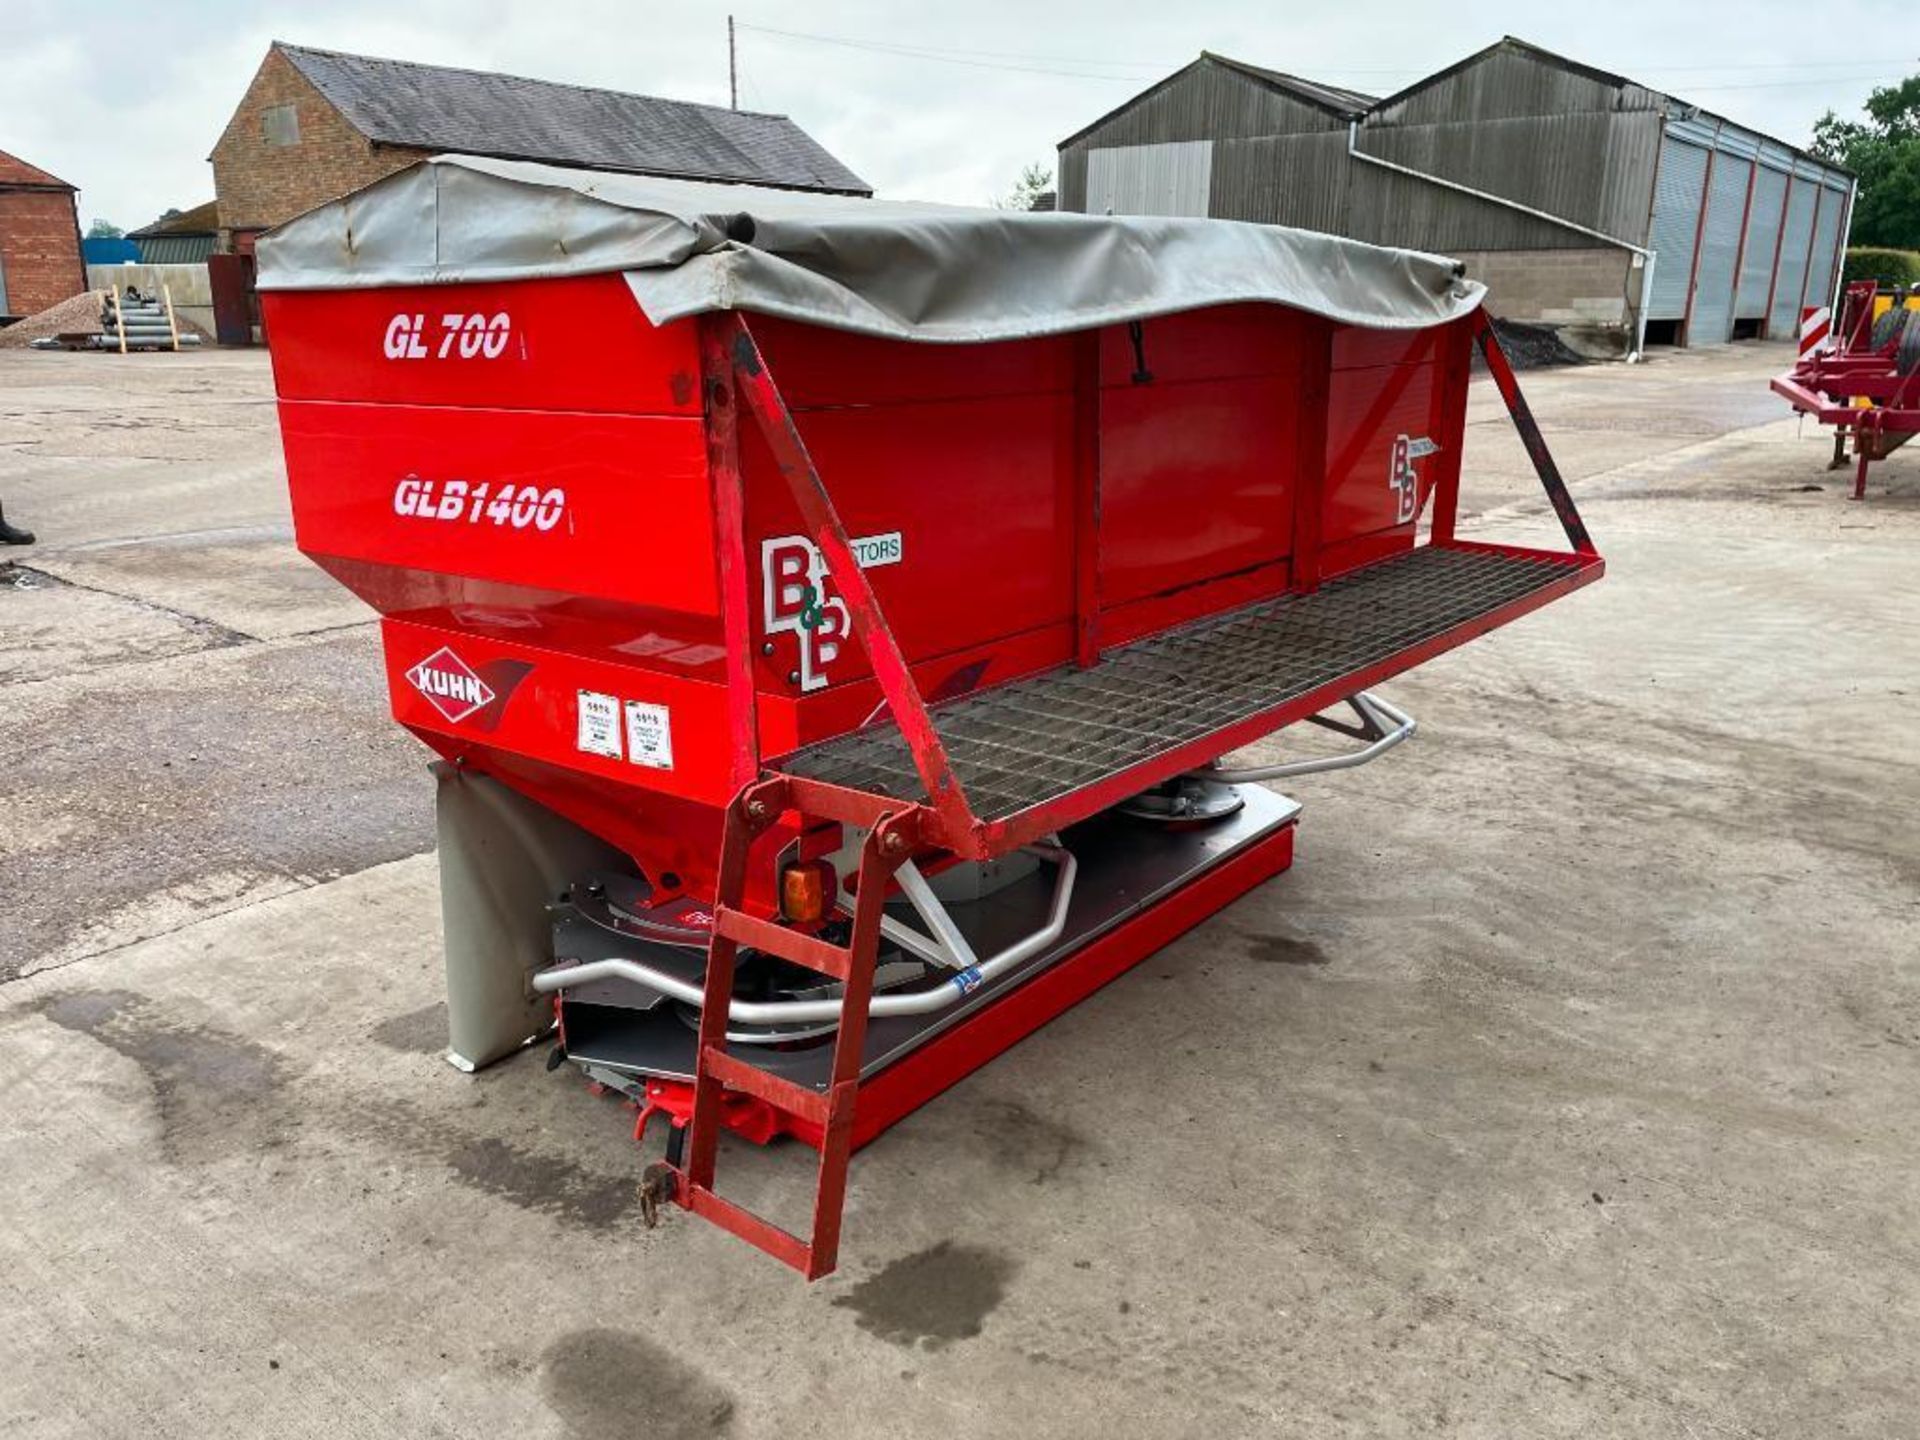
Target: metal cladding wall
point(1311, 182)
point(175, 249)
point(1298, 180)
point(1515, 81)
point(1205, 101)
point(1593, 168)
point(1169, 179)
point(1676, 225)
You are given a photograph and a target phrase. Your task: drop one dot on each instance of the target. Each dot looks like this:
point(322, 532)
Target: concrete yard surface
point(1564, 1087)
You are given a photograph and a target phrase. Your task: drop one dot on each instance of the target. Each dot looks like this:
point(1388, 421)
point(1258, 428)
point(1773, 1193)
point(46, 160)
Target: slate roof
point(476, 112)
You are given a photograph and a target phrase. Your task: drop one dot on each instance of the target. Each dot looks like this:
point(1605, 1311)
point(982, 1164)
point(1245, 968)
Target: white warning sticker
point(599, 724)
point(649, 735)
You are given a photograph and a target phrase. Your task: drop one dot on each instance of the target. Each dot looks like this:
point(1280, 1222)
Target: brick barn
point(39, 239)
point(315, 124)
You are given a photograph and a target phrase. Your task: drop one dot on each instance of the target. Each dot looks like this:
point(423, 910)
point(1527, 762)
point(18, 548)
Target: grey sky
point(125, 99)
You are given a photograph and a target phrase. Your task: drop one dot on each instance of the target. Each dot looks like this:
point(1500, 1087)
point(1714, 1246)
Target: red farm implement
point(1864, 380)
point(856, 671)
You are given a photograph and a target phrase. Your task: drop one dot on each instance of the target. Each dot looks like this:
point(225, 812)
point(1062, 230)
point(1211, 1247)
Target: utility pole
point(733, 67)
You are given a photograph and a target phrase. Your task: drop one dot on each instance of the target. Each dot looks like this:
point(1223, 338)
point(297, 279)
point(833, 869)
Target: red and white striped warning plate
point(1816, 323)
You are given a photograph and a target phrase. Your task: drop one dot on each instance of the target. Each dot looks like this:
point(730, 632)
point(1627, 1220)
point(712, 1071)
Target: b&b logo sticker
point(797, 597)
point(1403, 479)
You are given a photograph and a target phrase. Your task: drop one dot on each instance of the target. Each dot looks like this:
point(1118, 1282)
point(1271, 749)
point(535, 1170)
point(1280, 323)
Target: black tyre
point(1908, 359)
point(1890, 326)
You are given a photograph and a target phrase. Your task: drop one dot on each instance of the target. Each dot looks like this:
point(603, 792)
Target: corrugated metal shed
point(1512, 79)
point(108, 250)
point(436, 107)
point(1563, 157)
point(181, 237)
point(1214, 98)
point(1593, 167)
point(1334, 99)
point(176, 249)
point(1298, 180)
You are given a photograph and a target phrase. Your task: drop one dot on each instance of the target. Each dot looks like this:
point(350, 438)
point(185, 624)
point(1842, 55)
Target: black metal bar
point(1530, 436)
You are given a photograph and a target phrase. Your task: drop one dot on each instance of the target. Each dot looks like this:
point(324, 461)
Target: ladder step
point(737, 1074)
point(816, 954)
point(782, 1244)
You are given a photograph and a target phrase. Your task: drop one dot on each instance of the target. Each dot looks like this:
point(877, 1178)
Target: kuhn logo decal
point(798, 597)
point(451, 685)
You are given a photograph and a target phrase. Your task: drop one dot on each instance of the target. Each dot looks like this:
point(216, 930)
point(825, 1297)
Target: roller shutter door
point(1796, 243)
point(1833, 205)
point(1712, 320)
point(1676, 220)
point(1763, 244)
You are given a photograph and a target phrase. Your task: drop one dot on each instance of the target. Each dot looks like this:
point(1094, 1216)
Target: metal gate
point(1676, 222)
point(1763, 244)
point(236, 305)
point(1711, 320)
point(1796, 244)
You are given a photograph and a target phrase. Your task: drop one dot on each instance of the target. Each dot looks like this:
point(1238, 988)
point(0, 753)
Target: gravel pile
point(1531, 347)
point(78, 316)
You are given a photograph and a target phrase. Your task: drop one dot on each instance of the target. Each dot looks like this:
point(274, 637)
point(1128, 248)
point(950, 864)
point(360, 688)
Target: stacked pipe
point(133, 321)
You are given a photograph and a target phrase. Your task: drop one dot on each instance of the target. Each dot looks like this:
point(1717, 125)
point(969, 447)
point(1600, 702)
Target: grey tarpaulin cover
point(907, 270)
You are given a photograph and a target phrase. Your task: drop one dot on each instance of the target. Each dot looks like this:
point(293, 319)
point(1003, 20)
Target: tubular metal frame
point(950, 949)
point(1384, 725)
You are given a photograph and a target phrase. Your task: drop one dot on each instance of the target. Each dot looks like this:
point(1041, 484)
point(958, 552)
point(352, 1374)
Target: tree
point(1034, 181)
point(1884, 151)
point(104, 230)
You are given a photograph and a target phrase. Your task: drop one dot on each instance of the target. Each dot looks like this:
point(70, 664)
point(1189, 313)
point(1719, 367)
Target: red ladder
point(890, 841)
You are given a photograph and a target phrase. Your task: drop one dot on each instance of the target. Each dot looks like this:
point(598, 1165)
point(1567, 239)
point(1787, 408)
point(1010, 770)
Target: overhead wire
point(1094, 68)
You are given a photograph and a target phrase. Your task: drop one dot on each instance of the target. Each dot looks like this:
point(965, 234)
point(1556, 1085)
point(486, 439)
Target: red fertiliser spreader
point(832, 616)
point(1861, 375)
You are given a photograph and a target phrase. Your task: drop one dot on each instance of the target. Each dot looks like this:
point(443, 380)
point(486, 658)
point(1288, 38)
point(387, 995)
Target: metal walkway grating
point(1030, 741)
